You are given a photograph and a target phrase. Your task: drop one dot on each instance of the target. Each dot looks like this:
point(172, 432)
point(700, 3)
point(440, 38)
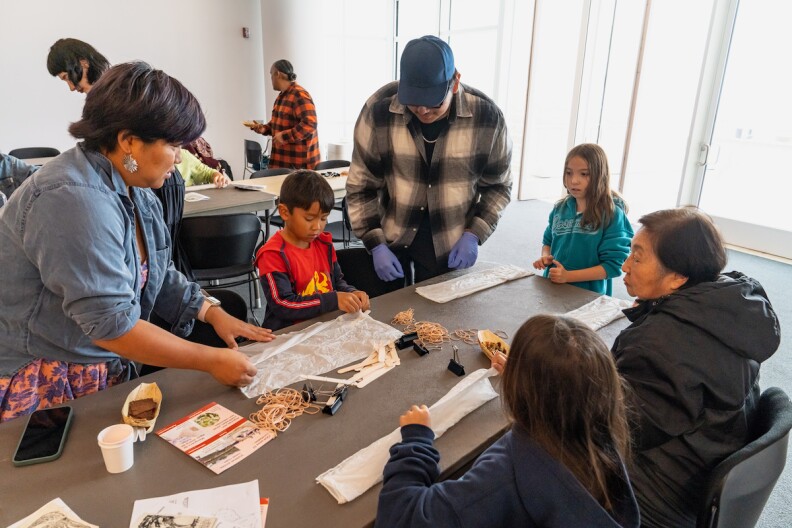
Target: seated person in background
point(201, 149)
point(194, 172)
point(77, 63)
point(92, 261)
point(561, 465)
point(299, 272)
point(12, 173)
point(691, 357)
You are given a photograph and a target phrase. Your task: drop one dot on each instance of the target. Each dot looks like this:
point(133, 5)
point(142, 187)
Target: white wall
point(341, 50)
point(197, 41)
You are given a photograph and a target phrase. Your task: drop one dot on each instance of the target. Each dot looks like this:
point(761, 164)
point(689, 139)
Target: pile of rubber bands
point(433, 335)
point(280, 407)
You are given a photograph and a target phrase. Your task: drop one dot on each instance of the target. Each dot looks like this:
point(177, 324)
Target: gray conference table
point(230, 200)
point(287, 466)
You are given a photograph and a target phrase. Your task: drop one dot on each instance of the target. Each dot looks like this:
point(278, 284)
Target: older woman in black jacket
point(691, 356)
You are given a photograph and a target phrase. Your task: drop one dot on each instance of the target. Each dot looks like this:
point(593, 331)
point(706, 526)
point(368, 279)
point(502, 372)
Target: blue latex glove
point(465, 251)
point(386, 264)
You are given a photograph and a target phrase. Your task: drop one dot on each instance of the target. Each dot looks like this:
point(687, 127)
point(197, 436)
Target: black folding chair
point(222, 247)
point(34, 152)
point(739, 486)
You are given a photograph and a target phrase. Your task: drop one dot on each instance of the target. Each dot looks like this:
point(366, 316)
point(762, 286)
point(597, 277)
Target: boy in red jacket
point(299, 272)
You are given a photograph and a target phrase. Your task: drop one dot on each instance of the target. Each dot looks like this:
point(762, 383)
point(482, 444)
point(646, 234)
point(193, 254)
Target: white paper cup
point(117, 443)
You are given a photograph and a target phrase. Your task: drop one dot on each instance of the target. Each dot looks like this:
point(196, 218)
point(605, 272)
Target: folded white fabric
point(319, 348)
point(601, 311)
point(472, 282)
point(352, 477)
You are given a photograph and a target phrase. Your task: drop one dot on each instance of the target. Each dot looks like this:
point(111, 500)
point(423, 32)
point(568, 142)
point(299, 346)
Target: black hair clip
point(336, 400)
point(308, 393)
point(454, 365)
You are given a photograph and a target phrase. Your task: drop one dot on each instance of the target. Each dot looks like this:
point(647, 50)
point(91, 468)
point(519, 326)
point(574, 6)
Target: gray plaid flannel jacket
point(466, 187)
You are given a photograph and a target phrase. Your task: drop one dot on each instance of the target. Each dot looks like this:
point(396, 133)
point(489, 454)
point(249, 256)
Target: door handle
point(705, 150)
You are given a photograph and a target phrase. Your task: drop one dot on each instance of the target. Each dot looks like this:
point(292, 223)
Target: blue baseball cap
point(427, 68)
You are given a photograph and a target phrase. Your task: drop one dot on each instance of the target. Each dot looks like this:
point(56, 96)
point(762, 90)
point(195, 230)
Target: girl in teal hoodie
point(588, 236)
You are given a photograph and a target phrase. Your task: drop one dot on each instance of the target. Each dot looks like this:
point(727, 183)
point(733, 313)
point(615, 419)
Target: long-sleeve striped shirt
point(295, 114)
point(390, 186)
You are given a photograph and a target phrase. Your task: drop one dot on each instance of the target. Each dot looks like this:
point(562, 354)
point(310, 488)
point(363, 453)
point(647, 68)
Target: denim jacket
point(12, 173)
point(69, 266)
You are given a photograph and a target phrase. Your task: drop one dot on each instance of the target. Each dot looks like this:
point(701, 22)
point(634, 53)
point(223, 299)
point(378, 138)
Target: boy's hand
point(416, 415)
point(543, 262)
point(348, 302)
point(363, 298)
point(558, 273)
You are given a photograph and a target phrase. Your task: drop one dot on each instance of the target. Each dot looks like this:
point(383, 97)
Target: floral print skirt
point(45, 383)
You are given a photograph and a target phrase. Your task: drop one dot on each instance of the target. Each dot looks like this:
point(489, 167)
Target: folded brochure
point(216, 437)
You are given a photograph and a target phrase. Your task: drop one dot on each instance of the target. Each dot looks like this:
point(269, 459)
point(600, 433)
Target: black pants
point(419, 261)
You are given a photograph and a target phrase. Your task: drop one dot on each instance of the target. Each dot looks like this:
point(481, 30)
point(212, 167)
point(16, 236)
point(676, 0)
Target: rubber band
point(404, 318)
point(280, 407)
point(469, 336)
point(433, 335)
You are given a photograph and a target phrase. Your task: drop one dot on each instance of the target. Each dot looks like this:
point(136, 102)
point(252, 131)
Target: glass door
point(745, 162)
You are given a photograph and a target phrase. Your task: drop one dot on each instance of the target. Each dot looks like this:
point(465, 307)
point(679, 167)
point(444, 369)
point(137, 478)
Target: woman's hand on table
point(228, 328)
point(499, 362)
point(416, 415)
point(232, 368)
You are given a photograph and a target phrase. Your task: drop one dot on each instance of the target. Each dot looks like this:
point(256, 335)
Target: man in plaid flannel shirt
point(295, 141)
point(430, 173)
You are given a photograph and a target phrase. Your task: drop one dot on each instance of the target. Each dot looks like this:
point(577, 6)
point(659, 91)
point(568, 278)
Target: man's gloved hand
point(465, 251)
point(386, 264)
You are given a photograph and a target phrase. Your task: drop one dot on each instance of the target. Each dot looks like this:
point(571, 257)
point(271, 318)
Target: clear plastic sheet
point(472, 282)
point(601, 311)
point(319, 348)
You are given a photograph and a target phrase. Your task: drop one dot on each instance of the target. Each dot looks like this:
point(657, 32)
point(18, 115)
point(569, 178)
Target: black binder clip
point(406, 340)
point(454, 365)
point(419, 349)
point(308, 393)
point(336, 400)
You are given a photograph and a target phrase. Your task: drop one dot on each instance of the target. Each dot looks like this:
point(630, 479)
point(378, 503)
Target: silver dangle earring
point(130, 163)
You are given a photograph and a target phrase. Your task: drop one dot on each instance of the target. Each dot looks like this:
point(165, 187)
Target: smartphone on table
point(44, 436)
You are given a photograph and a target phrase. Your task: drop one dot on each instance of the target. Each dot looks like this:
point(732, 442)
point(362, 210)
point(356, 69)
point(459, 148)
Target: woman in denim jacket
point(86, 257)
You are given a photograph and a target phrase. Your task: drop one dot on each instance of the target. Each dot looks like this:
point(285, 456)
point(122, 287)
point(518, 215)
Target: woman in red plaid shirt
point(295, 142)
